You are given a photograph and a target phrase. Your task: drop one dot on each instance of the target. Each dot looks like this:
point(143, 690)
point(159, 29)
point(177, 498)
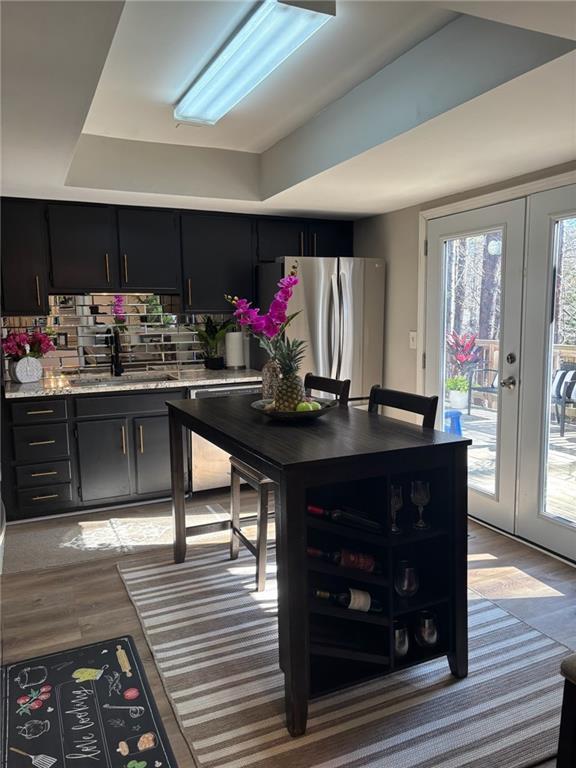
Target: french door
point(501, 352)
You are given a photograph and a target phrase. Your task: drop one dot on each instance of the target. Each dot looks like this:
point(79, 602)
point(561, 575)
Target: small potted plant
point(23, 350)
point(457, 388)
point(211, 337)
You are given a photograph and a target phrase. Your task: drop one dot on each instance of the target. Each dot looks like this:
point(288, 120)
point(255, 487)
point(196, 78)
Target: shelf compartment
point(413, 605)
point(347, 532)
point(416, 537)
point(421, 657)
point(340, 652)
point(349, 574)
point(321, 608)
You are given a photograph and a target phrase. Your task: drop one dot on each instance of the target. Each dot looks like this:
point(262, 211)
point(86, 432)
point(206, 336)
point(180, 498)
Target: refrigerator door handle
point(345, 369)
point(335, 328)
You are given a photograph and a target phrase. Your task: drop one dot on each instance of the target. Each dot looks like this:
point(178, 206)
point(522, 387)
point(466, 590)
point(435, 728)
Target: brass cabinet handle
point(43, 474)
point(314, 239)
point(301, 243)
point(37, 413)
point(189, 291)
point(45, 497)
point(107, 267)
point(123, 433)
point(141, 433)
point(125, 268)
point(38, 291)
point(43, 442)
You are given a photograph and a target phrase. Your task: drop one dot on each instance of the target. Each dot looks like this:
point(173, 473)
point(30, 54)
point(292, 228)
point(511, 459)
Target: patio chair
point(563, 395)
point(482, 380)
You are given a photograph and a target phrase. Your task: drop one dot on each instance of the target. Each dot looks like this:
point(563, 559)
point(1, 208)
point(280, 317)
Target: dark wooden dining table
point(346, 446)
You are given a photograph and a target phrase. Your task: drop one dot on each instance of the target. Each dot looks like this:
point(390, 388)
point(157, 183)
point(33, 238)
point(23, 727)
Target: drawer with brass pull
point(41, 442)
point(43, 497)
point(38, 411)
point(33, 475)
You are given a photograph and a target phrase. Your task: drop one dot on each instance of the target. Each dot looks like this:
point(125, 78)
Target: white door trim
point(478, 201)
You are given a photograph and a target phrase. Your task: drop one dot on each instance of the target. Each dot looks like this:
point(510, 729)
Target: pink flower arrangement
point(119, 309)
point(267, 326)
point(35, 344)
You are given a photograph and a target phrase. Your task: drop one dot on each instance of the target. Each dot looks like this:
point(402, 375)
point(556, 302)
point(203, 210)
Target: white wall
point(394, 237)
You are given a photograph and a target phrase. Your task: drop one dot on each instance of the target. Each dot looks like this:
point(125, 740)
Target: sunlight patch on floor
point(508, 582)
point(478, 557)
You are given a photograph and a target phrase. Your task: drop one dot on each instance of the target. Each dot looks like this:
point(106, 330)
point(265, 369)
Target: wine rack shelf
point(416, 537)
point(346, 532)
point(319, 649)
point(349, 574)
point(325, 609)
point(406, 606)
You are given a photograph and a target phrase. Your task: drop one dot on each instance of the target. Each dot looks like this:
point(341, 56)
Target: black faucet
point(113, 341)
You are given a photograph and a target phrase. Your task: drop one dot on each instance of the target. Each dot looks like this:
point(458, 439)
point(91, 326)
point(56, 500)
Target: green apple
point(315, 406)
point(304, 407)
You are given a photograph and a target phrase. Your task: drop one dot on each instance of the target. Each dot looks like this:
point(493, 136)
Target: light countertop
point(52, 386)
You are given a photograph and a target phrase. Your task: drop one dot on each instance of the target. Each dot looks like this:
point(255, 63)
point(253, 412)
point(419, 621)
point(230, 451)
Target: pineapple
point(289, 353)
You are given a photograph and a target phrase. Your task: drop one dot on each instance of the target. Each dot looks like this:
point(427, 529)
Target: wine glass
point(420, 496)
point(401, 640)
point(406, 582)
point(396, 503)
point(427, 629)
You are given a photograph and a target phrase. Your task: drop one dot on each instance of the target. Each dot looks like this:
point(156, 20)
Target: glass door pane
point(560, 449)
point(473, 268)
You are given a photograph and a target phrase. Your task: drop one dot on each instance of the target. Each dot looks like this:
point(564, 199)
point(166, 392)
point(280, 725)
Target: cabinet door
point(24, 258)
point(104, 460)
point(152, 450)
point(83, 247)
point(278, 238)
point(217, 258)
point(149, 250)
point(331, 238)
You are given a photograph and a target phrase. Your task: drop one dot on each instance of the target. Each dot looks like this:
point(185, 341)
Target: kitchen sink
point(127, 378)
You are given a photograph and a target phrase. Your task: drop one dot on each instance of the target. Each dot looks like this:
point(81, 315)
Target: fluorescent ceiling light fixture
point(271, 33)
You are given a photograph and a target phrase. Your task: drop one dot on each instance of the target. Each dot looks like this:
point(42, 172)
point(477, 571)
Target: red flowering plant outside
point(463, 351)
point(268, 328)
point(35, 344)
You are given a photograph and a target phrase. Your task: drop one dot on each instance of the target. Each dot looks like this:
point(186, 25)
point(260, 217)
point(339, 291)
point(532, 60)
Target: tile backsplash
point(154, 334)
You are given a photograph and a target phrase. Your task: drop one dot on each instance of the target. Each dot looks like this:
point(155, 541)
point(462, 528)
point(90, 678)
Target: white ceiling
point(65, 70)
point(159, 48)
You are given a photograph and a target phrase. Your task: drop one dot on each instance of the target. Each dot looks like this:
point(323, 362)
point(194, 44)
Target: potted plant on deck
point(457, 388)
point(211, 338)
point(464, 355)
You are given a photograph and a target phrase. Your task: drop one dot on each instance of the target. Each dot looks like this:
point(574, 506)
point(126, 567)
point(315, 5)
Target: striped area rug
point(214, 641)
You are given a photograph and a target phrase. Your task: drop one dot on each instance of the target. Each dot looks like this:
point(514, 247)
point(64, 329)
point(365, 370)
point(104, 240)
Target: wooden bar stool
point(264, 487)
point(404, 401)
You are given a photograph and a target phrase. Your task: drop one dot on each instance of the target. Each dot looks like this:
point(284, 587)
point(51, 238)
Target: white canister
point(234, 341)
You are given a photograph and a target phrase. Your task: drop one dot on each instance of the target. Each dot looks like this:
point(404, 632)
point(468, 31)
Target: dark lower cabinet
point(24, 258)
point(152, 451)
point(104, 460)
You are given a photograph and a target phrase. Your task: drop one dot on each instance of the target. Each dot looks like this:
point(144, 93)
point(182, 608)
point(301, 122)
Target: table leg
point(458, 657)
point(292, 604)
point(178, 493)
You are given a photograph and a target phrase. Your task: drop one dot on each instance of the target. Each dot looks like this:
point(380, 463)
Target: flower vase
point(270, 379)
point(25, 370)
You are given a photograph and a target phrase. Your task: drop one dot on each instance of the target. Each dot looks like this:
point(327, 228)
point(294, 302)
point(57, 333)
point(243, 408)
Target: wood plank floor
point(52, 609)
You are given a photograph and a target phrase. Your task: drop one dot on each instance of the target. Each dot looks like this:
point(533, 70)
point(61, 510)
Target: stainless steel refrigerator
point(341, 315)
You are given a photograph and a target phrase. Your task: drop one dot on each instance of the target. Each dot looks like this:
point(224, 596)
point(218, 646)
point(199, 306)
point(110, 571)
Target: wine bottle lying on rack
point(352, 599)
point(346, 516)
point(345, 558)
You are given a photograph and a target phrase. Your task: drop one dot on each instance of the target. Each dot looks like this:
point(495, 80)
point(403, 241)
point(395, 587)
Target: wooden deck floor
point(52, 609)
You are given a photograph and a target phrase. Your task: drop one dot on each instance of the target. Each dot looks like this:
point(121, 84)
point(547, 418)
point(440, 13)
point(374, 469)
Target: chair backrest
point(569, 386)
point(481, 377)
point(332, 386)
point(557, 381)
point(404, 401)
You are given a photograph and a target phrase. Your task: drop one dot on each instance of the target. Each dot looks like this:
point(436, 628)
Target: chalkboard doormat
point(87, 706)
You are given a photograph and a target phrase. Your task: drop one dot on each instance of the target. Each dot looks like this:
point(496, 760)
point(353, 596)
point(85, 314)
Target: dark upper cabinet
point(83, 248)
point(149, 250)
point(24, 258)
point(278, 238)
point(330, 238)
point(152, 451)
point(103, 459)
point(217, 259)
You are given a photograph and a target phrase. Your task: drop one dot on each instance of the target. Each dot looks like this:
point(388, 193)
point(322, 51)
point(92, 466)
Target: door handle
point(314, 241)
point(141, 433)
point(43, 474)
point(45, 497)
point(301, 243)
point(123, 435)
point(189, 291)
point(126, 269)
point(107, 267)
point(38, 291)
point(508, 383)
point(42, 442)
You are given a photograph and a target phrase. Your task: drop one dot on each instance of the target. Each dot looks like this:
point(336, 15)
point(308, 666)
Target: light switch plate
point(412, 339)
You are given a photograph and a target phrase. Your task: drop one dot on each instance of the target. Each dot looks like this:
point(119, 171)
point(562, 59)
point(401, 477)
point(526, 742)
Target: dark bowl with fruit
point(307, 410)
